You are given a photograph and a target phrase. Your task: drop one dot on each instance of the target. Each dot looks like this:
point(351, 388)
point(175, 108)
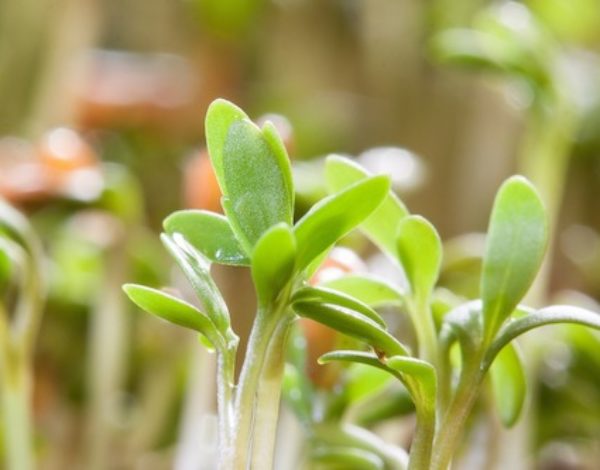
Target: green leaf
point(382, 224)
point(173, 310)
point(364, 380)
point(324, 295)
point(197, 270)
point(209, 233)
point(269, 132)
point(255, 183)
point(353, 324)
point(273, 262)
point(334, 216)
point(221, 114)
point(344, 458)
point(515, 246)
point(542, 317)
point(420, 253)
point(509, 384)
point(370, 290)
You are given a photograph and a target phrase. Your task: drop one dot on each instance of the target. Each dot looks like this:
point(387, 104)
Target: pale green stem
point(422, 318)
point(262, 331)
point(451, 430)
point(268, 399)
point(422, 444)
point(225, 387)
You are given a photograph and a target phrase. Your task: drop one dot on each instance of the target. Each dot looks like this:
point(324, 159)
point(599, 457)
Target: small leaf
point(254, 183)
point(273, 262)
point(324, 295)
point(209, 233)
point(543, 317)
point(368, 289)
point(196, 269)
point(344, 458)
point(515, 246)
point(382, 224)
point(334, 216)
point(509, 384)
point(269, 132)
point(172, 309)
point(420, 253)
point(353, 324)
point(221, 114)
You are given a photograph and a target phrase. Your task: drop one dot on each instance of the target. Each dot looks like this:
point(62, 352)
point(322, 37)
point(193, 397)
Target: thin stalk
point(420, 313)
point(422, 444)
point(225, 388)
point(268, 399)
point(451, 429)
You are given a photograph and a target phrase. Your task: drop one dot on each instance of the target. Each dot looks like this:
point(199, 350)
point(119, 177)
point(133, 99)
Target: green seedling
point(21, 300)
point(258, 232)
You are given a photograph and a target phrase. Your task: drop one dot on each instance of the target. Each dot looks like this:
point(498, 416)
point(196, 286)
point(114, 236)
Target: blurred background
point(102, 105)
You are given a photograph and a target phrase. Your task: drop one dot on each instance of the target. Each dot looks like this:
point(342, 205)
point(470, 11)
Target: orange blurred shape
point(320, 338)
point(200, 184)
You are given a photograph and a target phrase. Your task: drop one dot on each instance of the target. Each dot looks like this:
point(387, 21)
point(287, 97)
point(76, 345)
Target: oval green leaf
point(173, 310)
point(352, 324)
point(368, 289)
point(255, 183)
point(324, 295)
point(273, 261)
point(209, 233)
point(509, 384)
point(515, 247)
point(381, 225)
point(334, 216)
point(420, 253)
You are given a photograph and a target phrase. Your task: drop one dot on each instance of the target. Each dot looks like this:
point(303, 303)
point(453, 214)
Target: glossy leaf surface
point(209, 233)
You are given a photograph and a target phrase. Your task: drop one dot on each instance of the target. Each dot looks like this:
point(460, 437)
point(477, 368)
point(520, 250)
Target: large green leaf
point(542, 317)
point(336, 215)
point(381, 225)
point(509, 384)
point(209, 233)
point(353, 324)
point(221, 114)
point(269, 132)
point(173, 310)
point(420, 253)
point(255, 183)
point(197, 270)
point(368, 289)
point(515, 246)
point(273, 261)
point(330, 296)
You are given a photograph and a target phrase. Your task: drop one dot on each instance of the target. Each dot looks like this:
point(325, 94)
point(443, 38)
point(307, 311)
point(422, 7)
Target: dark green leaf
point(336, 215)
point(273, 262)
point(353, 324)
point(420, 253)
point(173, 310)
point(209, 233)
point(381, 225)
point(515, 246)
point(330, 296)
point(509, 384)
point(368, 289)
